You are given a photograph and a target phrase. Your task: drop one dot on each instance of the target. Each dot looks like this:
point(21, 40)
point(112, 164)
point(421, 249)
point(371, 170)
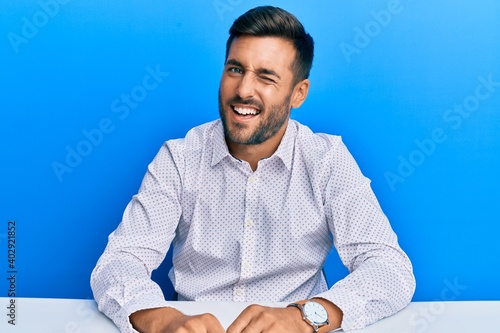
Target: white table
point(38, 315)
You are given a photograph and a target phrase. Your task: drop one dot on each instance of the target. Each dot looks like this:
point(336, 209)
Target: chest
point(274, 202)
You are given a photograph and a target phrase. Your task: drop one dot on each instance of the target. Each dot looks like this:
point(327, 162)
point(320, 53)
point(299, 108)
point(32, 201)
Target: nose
point(246, 86)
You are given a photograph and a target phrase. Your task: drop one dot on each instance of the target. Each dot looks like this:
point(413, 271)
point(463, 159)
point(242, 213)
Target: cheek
point(227, 86)
point(270, 96)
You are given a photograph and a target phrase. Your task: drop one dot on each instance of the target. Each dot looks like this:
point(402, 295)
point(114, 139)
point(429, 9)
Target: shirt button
point(252, 180)
point(249, 223)
point(238, 292)
point(246, 266)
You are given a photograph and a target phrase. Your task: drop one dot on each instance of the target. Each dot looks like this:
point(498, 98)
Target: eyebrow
point(258, 71)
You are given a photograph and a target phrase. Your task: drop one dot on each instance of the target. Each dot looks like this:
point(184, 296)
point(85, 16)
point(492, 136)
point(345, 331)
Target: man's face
point(256, 88)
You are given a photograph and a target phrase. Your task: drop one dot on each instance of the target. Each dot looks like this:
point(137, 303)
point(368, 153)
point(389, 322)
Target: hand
point(170, 320)
point(261, 319)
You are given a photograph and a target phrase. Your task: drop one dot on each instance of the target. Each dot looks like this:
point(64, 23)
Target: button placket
point(248, 242)
point(239, 293)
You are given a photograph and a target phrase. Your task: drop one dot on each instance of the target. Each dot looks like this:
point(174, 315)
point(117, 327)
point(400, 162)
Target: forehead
point(272, 53)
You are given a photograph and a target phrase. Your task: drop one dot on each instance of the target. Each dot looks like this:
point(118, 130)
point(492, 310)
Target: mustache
point(251, 102)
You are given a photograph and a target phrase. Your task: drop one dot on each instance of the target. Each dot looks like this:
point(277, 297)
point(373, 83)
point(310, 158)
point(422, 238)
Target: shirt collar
point(284, 151)
point(219, 146)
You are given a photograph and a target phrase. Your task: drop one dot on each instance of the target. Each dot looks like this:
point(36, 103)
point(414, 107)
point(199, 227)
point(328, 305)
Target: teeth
point(245, 111)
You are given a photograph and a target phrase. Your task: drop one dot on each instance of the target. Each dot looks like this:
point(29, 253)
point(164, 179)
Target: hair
point(268, 21)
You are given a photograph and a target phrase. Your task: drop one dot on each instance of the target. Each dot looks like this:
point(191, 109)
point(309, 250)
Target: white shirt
point(254, 236)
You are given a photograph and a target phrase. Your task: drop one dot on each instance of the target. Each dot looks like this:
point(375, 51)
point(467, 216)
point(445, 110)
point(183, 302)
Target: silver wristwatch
point(313, 313)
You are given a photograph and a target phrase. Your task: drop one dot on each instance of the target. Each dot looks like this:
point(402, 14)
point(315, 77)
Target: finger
point(203, 323)
point(214, 325)
point(245, 319)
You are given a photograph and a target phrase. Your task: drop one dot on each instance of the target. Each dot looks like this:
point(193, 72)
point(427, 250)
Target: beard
point(272, 120)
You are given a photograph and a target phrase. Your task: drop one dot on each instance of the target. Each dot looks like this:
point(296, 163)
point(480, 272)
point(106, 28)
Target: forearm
point(154, 320)
point(123, 286)
point(166, 320)
point(375, 290)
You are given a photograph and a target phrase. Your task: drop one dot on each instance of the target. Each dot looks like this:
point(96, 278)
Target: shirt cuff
point(352, 317)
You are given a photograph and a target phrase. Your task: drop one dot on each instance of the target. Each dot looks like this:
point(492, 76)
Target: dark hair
point(273, 21)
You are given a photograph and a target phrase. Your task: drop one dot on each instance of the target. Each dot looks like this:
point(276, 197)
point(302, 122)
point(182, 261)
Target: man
point(252, 203)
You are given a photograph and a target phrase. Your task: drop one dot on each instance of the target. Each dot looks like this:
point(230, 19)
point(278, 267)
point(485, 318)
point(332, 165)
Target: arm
point(163, 320)
point(381, 281)
point(264, 319)
point(121, 280)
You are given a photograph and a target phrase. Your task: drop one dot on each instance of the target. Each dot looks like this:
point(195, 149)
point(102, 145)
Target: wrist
point(335, 315)
point(321, 315)
point(298, 319)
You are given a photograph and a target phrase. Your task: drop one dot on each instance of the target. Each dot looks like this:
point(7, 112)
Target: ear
point(299, 93)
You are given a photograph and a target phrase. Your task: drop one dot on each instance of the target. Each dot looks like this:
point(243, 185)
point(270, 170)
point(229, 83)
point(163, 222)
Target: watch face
point(315, 312)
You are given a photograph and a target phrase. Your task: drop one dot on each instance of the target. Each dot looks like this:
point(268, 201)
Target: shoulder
point(322, 152)
point(326, 157)
point(197, 139)
point(189, 150)
point(315, 145)
point(196, 136)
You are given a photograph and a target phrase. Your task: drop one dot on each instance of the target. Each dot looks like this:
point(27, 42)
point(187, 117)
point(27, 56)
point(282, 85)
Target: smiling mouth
point(245, 111)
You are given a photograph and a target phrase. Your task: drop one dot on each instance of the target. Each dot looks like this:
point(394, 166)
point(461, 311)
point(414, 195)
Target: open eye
point(235, 70)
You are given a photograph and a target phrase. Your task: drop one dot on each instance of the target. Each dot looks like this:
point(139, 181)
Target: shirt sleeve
point(121, 281)
point(381, 280)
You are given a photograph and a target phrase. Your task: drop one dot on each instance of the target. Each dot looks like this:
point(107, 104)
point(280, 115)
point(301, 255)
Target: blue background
point(386, 76)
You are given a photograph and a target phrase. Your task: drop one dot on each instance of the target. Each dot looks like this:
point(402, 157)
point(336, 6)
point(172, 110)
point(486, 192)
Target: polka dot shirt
point(252, 236)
